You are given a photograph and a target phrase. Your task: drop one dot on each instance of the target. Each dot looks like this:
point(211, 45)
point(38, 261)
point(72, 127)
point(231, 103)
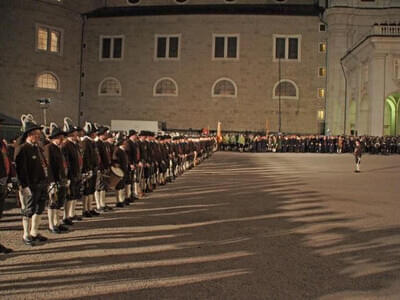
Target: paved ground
point(240, 226)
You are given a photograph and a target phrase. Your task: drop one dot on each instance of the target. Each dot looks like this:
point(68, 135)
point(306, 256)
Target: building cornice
point(218, 9)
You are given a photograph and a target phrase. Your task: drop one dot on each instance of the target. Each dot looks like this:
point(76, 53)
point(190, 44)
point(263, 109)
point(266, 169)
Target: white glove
point(26, 193)
point(90, 174)
point(52, 188)
point(68, 183)
point(9, 186)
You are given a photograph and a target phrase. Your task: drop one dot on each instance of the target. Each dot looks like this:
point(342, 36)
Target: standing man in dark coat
point(91, 161)
point(5, 173)
point(32, 173)
point(57, 178)
point(104, 169)
point(73, 157)
point(357, 155)
point(120, 159)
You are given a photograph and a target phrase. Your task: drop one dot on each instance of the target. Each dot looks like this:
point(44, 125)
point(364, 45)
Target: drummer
point(120, 159)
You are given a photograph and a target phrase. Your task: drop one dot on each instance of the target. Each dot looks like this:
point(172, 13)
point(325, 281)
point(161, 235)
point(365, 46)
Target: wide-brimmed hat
point(146, 133)
point(120, 138)
point(132, 132)
point(69, 126)
point(89, 128)
point(102, 130)
point(28, 124)
point(55, 131)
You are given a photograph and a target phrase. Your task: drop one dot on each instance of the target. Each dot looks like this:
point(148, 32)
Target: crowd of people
point(55, 167)
point(308, 143)
point(51, 169)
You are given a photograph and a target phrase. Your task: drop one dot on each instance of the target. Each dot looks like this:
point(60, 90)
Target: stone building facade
point(363, 90)
point(186, 63)
point(33, 67)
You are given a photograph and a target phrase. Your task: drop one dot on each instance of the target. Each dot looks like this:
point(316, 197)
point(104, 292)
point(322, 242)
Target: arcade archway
point(391, 118)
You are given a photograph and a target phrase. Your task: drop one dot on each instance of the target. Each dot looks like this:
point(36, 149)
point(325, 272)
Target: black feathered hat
point(55, 131)
point(132, 132)
point(28, 125)
point(89, 128)
point(69, 126)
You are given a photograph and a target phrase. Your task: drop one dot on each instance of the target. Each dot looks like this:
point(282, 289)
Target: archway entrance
point(391, 118)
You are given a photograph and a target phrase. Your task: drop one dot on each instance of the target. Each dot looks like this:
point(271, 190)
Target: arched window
point(110, 87)
point(165, 87)
point(133, 2)
point(224, 87)
point(48, 81)
point(287, 89)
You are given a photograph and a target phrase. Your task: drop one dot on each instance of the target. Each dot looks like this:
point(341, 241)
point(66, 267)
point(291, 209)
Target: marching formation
point(56, 167)
point(309, 143)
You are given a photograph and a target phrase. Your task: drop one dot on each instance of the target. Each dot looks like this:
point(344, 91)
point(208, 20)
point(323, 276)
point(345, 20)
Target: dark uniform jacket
point(31, 165)
point(120, 158)
point(105, 156)
point(90, 156)
point(5, 161)
point(133, 152)
point(73, 157)
point(57, 163)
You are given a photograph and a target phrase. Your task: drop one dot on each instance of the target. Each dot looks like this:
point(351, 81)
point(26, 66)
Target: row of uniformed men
point(73, 162)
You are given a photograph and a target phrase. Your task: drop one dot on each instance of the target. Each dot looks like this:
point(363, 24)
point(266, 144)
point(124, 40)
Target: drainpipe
point(326, 69)
point(345, 98)
point(81, 70)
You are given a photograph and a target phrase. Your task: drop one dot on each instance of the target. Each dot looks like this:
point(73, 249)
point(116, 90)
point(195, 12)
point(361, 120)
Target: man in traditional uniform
point(91, 160)
point(136, 166)
point(57, 178)
point(73, 156)
point(121, 160)
point(104, 169)
point(357, 155)
point(5, 174)
point(32, 173)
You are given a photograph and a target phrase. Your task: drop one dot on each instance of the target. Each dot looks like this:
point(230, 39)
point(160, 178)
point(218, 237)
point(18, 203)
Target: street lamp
point(44, 104)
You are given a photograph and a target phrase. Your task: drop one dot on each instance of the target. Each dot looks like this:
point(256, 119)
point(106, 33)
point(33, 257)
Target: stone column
point(376, 91)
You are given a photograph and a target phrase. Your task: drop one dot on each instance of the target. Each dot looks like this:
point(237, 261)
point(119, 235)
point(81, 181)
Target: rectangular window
point(321, 72)
point(280, 48)
point(167, 46)
point(226, 46)
point(287, 47)
point(322, 27)
point(48, 39)
point(322, 47)
point(321, 93)
point(111, 47)
point(293, 48)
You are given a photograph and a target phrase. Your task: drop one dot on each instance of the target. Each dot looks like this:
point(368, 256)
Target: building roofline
point(217, 9)
point(362, 42)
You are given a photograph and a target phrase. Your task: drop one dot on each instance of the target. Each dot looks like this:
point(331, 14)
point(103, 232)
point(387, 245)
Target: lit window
point(224, 87)
point(322, 47)
point(167, 46)
point(321, 72)
point(287, 47)
point(285, 89)
point(226, 46)
point(321, 115)
point(111, 47)
point(321, 93)
point(110, 87)
point(165, 87)
point(47, 81)
point(48, 39)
